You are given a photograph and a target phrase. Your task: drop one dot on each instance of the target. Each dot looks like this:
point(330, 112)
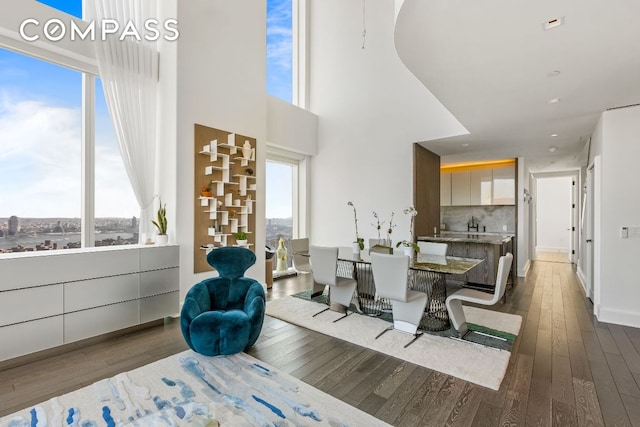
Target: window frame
point(299, 188)
point(72, 56)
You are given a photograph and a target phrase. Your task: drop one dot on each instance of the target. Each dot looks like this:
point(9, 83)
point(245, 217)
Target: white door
point(554, 215)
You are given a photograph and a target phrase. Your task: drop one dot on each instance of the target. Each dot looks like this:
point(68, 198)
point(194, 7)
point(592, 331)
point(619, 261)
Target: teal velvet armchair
point(224, 315)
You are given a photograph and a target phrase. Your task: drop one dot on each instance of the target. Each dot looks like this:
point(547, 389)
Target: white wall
point(221, 83)
point(616, 141)
point(291, 128)
point(371, 110)
point(523, 231)
point(553, 202)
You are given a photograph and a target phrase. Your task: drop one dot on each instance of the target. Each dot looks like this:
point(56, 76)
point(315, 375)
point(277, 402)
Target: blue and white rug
point(189, 389)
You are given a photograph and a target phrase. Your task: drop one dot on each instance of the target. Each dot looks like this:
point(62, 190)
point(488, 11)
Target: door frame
point(574, 238)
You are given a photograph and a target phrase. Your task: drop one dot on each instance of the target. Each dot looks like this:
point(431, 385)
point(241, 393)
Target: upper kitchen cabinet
point(504, 185)
point(461, 188)
point(445, 189)
point(477, 184)
point(481, 183)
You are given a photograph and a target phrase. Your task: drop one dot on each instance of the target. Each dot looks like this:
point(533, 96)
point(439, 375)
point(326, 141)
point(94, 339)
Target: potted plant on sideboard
point(161, 224)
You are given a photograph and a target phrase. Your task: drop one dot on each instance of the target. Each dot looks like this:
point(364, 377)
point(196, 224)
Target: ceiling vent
point(553, 23)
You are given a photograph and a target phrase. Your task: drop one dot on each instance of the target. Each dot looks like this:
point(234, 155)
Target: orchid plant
point(409, 243)
point(378, 226)
point(390, 228)
point(359, 240)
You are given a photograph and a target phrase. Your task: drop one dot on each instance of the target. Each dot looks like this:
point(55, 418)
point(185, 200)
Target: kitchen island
point(488, 246)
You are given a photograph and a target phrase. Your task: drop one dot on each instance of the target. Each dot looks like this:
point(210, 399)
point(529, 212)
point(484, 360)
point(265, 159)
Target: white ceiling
point(489, 63)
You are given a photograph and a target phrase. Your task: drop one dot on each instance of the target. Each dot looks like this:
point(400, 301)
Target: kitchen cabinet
point(504, 186)
point(445, 189)
point(461, 188)
point(481, 184)
point(477, 187)
point(482, 246)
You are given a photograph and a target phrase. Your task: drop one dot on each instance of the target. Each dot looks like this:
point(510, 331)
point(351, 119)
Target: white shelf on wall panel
point(243, 161)
point(213, 156)
point(232, 148)
point(224, 218)
point(231, 142)
point(239, 175)
point(208, 170)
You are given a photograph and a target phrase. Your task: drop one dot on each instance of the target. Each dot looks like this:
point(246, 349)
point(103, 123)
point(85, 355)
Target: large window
point(116, 208)
point(279, 201)
point(41, 134)
point(279, 49)
point(41, 109)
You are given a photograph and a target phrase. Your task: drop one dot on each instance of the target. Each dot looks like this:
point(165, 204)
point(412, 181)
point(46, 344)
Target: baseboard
point(525, 270)
point(618, 317)
point(551, 249)
point(65, 348)
point(582, 279)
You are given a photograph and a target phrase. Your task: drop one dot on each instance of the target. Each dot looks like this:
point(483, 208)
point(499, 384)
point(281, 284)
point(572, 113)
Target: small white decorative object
point(356, 250)
point(162, 239)
point(242, 243)
point(408, 251)
point(281, 253)
point(247, 150)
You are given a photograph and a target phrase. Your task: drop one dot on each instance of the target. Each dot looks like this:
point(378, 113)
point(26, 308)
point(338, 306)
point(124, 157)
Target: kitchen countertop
point(464, 237)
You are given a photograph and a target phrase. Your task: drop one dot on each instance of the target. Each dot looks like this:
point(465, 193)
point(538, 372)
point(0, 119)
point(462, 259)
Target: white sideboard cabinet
point(50, 299)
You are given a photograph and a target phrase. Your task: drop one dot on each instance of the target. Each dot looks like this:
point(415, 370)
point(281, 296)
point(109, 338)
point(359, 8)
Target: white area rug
point(189, 389)
point(475, 363)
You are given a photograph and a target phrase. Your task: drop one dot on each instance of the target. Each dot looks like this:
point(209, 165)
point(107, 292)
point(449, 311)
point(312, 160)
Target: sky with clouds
point(40, 133)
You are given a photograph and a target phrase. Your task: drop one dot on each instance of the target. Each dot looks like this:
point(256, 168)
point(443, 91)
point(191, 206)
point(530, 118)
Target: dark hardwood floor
point(567, 369)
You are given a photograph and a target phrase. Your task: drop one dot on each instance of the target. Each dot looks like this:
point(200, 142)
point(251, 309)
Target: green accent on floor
point(500, 334)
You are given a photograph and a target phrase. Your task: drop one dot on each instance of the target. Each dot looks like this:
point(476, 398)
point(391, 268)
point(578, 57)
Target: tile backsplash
point(456, 218)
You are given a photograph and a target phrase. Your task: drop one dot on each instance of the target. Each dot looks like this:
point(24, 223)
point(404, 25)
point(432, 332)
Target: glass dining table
point(427, 274)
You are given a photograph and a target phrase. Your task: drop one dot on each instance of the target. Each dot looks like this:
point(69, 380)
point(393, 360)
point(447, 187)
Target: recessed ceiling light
point(553, 73)
point(553, 23)
point(553, 100)
point(466, 144)
point(553, 135)
point(552, 149)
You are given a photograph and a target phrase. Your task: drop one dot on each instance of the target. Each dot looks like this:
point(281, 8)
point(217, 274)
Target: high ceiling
point(495, 68)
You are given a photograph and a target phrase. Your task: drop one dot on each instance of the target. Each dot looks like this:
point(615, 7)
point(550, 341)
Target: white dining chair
point(324, 261)
point(300, 249)
point(454, 301)
point(391, 276)
point(433, 248)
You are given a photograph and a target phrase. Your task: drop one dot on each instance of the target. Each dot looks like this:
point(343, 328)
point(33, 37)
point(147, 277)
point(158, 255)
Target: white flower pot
point(356, 250)
point(242, 243)
point(408, 251)
point(162, 239)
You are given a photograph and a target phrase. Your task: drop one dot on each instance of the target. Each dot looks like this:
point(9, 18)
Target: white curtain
point(129, 73)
